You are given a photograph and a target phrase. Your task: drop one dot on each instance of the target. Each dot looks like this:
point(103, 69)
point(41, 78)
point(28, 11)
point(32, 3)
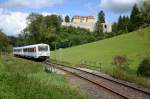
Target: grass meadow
point(24, 79)
point(99, 55)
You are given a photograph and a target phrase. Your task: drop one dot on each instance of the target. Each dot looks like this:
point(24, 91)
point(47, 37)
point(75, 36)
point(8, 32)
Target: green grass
point(135, 46)
point(23, 79)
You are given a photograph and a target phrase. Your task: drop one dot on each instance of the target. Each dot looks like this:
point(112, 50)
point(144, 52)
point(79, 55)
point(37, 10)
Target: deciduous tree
point(3, 42)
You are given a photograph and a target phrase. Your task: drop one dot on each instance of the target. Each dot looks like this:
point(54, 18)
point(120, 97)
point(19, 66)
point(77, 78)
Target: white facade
point(89, 26)
point(107, 27)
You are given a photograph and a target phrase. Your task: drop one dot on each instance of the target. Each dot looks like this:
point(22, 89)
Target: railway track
point(121, 89)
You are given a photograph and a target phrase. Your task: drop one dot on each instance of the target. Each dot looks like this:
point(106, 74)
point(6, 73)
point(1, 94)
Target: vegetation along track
point(118, 88)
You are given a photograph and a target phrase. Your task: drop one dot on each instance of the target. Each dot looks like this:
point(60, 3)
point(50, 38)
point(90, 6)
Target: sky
point(13, 13)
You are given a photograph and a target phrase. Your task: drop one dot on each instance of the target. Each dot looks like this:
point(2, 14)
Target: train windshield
point(43, 48)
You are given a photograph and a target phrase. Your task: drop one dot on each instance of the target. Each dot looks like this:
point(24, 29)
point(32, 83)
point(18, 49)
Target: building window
point(105, 26)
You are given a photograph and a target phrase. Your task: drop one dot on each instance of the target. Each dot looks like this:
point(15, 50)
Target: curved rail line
point(66, 68)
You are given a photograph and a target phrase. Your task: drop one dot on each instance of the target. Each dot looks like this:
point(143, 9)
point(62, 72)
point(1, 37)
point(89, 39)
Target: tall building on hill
point(87, 22)
point(76, 19)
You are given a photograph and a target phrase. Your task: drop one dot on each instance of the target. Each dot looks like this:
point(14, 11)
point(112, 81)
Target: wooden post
point(55, 52)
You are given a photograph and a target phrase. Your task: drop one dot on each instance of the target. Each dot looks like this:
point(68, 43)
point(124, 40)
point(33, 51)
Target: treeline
point(4, 43)
point(139, 18)
point(48, 29)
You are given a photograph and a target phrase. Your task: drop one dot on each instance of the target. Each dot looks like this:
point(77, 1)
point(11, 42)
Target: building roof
point(88, 17)
point(76, 17)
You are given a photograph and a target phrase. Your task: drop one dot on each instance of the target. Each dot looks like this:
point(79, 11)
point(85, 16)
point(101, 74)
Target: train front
point(43, 51)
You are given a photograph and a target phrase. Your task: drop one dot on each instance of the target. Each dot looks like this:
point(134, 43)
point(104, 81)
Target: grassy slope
point(135, 46)
point(22, 79)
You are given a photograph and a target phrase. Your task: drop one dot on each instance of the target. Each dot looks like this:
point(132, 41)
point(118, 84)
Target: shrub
point(121, 65)
point(144, 67)
point(120, 62)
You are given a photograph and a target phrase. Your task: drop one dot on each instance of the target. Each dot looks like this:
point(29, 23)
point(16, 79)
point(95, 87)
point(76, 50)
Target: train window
point(34, 49)
point(25, 49)
point(17, 50)
point(43, 48)
point(29, 49)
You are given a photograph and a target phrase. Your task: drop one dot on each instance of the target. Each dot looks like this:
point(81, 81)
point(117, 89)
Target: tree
point(40, 29)
point(51, 21)
point(101, 17)
point(67, 19)
point(123, 24)
point(12, 40)
point(33, 28)
point(126, 23)
point(3, 42)
point(135, 20)
point(120, 23)
point(99, 25)
point(60, 19)
point(145, 13)
point(115, 27)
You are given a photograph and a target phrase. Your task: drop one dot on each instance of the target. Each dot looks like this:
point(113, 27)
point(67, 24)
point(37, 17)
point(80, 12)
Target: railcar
point(37, 51)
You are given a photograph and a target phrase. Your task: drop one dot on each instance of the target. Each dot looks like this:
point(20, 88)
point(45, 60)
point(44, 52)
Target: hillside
point(135, 46)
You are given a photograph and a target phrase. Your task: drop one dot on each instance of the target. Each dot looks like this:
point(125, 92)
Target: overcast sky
point(13, 13)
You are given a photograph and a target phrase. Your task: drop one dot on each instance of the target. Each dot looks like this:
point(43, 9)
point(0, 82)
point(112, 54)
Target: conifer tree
point(145, 13)
point(120, 23)
point(101, 19)
point(135, 20)
point(67, 19)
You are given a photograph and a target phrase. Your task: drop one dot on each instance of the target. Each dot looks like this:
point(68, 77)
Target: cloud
point(30, 3)
point(47, 13)
point(12, 23)
point(119, 6)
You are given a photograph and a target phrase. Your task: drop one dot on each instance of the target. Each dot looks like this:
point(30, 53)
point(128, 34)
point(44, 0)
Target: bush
point(144, 67)
point(121, 65)
point(120, 62)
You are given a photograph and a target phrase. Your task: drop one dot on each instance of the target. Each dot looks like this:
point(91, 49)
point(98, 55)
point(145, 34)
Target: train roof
point(31, 45)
